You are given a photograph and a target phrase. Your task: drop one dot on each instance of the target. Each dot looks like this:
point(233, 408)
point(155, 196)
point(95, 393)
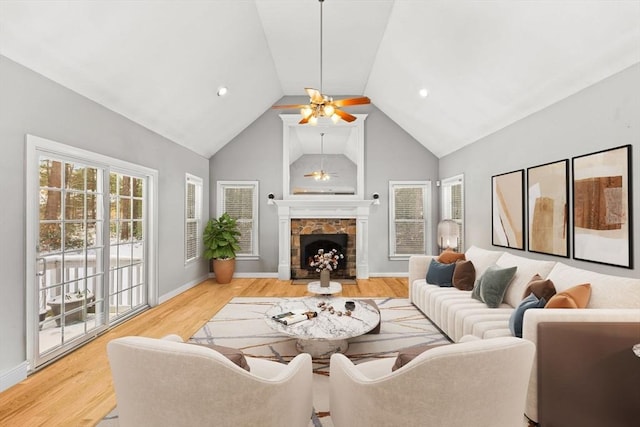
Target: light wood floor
point(77, 390)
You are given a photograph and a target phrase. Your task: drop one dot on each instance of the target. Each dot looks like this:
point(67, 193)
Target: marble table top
point(326, 326)
point(333, 288)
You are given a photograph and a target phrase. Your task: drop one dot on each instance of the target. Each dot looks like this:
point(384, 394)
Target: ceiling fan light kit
point(321, 105)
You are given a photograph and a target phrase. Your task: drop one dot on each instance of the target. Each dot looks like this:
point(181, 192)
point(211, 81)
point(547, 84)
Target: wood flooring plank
point(77, 389)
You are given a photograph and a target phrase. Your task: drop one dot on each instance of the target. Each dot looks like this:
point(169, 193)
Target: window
point(193, 218)
point(409, 215)
point(452, 203)
point(240, 200)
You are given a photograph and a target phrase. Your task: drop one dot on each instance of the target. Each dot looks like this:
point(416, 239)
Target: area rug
point(240, 324)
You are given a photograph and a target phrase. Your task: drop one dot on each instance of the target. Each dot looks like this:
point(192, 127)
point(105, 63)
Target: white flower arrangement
point(326, 260)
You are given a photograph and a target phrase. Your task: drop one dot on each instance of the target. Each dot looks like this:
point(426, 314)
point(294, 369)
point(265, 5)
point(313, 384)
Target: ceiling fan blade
point(291, 106)
point(315, 95)
point(345, 116)
point(304, 120)
point(352, 101)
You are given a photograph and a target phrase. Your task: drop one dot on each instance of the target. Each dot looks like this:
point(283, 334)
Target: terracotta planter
point(223, 269)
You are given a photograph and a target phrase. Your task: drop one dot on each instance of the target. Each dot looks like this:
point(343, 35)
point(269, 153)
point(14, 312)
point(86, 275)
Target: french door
point(89, 229)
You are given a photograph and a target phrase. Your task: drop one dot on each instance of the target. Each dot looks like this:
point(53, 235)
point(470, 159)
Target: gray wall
point(30, 103)
point(603, 116)
point(390, 154)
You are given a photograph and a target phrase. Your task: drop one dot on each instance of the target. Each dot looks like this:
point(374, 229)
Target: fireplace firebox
point(310, 244)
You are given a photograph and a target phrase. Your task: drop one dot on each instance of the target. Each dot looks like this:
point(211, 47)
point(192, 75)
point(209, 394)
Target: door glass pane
point(70, 270)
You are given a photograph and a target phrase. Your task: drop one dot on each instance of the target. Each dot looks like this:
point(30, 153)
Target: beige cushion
point(482, 258)
point(527, 268)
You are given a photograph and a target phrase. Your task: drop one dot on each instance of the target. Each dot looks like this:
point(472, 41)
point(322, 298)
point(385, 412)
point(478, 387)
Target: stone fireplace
point(300, 217)
point(308, 235)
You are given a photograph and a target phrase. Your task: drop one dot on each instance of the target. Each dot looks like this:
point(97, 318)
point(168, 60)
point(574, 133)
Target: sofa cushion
point(449, 257)
point(541, 288)
point(607, 290)
point(406, 355)
point(575, 297)
point(482, 258)
point(464, 275)
point(527, 268)
point(440, 274)
point(233, 354)
point(515, 321)
point(492, 285)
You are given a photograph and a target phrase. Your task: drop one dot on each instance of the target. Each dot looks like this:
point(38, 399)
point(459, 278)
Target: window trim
point(445, 185)
point(198, 183)
point(428, 213)
point(220, 209)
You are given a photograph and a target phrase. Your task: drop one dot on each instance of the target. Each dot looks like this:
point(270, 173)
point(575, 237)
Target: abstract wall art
point(548, 208)
point(602, 207)
point(507, 209)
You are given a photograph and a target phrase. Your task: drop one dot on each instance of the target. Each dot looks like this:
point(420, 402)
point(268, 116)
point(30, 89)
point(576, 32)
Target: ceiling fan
point(321, 105)
point(320, 175)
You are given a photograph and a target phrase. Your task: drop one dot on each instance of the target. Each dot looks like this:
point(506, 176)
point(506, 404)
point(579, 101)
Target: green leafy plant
point(220, 238)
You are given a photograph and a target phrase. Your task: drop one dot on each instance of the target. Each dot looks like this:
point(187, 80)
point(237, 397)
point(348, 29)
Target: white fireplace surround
point(323, 208)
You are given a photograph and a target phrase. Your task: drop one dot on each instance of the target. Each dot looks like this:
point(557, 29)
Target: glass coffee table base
point(321, 348)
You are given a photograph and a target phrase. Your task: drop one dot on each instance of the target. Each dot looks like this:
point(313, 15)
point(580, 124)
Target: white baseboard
point(403, 274)
point(180, 290)
point(263, 275)
point(13, 376)
point(256, 275)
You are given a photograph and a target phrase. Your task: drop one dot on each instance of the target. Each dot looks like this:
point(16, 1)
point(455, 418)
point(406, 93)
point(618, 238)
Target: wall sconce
point(376, 198)
point(270, 198)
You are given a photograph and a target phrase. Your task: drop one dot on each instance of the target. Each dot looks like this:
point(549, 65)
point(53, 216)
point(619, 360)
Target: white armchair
point(161, 382)
point(480, 383)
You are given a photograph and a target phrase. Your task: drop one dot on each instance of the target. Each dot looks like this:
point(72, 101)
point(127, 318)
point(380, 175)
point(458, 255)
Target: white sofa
point(613, 299)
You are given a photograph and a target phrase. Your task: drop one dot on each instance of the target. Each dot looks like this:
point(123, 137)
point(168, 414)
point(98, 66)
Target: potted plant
point(220, 240)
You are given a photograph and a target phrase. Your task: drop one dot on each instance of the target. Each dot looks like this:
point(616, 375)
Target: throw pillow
point(515, 321)
point(408, 354)
point(440, 274)
point(541, 288)
point(576, 297)
point(464, 275)
point(233, 354)
point(492, 285)
point(449, 257)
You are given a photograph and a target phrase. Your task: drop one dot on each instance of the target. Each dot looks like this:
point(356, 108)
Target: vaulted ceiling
point(485, 64)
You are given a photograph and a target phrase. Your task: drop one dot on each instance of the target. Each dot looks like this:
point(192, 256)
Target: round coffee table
point(328, 333)
point(333, 288)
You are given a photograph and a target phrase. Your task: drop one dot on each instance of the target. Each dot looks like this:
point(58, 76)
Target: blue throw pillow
point(516, 319)
point(440, 274)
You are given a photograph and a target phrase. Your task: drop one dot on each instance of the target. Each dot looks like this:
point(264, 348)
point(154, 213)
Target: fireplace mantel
point(323, 208)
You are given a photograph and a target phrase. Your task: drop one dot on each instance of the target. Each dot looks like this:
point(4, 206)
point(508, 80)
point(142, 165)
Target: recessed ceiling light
point(223, 91)
point(423, 93)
